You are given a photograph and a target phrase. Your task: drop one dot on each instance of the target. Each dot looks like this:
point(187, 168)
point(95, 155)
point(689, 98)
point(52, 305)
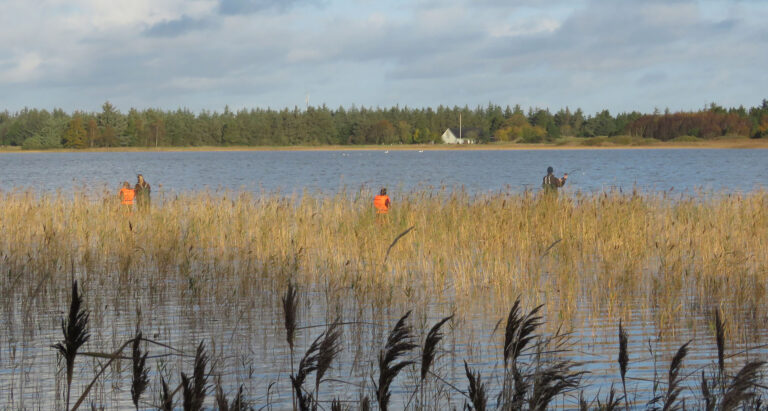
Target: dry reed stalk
point(720, 339)
point(706, 394)
point(140, 379)
point(195, 389)
point(75, 330)
point(399, 343)
point(552, 380)
point(307, 365)
point(612, 402)
point(519, 331)
point(365, 404)
point(611, 237)
point(238, 403)
point(399, 236)
point(330, 347)
point(337, 406)
point(290, 308)
point(166, 397)
point(476, 390)
point(674, 380)
point(430, 346)
point(623, 362)
point(740, 389)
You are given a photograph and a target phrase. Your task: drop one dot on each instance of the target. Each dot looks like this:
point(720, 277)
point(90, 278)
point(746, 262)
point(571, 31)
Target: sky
point(620, 55)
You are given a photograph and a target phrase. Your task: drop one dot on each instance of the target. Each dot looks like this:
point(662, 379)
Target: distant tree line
point(41, 129)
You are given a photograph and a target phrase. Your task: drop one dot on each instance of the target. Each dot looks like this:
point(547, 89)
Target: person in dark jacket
point(550, 183)
point(142, 190)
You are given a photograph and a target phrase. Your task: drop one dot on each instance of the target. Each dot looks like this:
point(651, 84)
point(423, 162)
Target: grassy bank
point(572, 143)
point(612, 252)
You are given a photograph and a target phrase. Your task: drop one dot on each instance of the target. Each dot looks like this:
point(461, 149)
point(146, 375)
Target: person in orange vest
point(381, 202)
point(127, 195)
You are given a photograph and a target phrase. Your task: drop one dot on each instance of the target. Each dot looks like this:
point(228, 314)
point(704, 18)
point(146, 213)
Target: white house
point(451, 136)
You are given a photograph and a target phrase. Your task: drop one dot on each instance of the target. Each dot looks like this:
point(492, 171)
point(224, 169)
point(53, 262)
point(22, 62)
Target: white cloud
point(78, 53)
point(22, 69)
point(526, 28)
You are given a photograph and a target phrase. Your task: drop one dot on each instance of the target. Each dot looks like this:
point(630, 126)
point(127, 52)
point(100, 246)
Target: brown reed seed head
point(140, 379)
point(623, 351)
point(430, 346)
point(290, 307)
point(399, 343)
point(75, 330)
point(476, 389)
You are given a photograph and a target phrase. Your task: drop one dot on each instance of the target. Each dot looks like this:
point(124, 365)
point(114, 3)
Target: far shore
point(567, 144)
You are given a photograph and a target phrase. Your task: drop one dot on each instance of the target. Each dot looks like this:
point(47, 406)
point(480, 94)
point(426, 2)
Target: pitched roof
point(465, 131)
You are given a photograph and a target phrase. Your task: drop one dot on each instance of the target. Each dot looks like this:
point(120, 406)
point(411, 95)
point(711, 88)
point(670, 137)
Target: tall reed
point(75, 330)
point(636, 246)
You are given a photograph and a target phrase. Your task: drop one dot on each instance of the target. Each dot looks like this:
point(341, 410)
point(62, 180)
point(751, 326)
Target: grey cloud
point(607, 36)
point(651, 79)
point(603, 54)
point(235, 7)
point(173, 28)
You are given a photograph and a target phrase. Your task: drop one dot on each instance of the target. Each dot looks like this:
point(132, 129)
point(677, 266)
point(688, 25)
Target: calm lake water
point(330, 171)
point(244, 333)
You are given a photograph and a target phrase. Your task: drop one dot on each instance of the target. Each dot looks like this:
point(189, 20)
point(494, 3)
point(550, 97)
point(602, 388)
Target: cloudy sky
point(204, 54)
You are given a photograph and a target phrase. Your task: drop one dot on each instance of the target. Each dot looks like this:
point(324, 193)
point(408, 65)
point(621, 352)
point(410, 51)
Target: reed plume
point(238, 403)
point(166, 397)
point(674, 380)
point(75, 330)
point(307, 365)
point(612, 402)
point(706, 394)
point(399, 343)
point(623, 361)
point(740, 388)
point(519, 331)
point(476, 390)
point(330, 347)
point(365, 404)
point(552, 380)
point(337, 406)
point(195, 389)
point(290, 307)
point(583, 404)
point(720, 338)
point(140, 379)
point(430, 346)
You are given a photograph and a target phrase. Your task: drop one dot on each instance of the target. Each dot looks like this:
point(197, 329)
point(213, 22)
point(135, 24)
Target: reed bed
point(211, 263)
point(610, 253)
point(538, 371)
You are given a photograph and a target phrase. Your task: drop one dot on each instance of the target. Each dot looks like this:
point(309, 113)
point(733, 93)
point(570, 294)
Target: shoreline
point(740, 143)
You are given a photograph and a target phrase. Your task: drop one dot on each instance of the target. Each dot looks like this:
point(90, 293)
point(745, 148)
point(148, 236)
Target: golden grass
point(608, 255)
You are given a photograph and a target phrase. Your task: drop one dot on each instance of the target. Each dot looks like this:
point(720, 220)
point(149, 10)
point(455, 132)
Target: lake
point(240, 317)
point(330, 171)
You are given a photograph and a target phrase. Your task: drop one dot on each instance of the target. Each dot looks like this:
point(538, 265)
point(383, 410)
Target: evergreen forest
point(37, 129)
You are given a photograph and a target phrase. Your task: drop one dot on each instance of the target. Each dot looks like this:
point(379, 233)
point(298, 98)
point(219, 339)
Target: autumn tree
point(75, 136)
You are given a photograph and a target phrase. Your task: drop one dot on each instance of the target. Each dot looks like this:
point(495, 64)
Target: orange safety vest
point(381, 203)
point(127, 195)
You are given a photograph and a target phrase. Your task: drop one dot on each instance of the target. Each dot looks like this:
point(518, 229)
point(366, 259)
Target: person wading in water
point(381, 203)
point(550, 184)
point(127, 195)
point(142, 190)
